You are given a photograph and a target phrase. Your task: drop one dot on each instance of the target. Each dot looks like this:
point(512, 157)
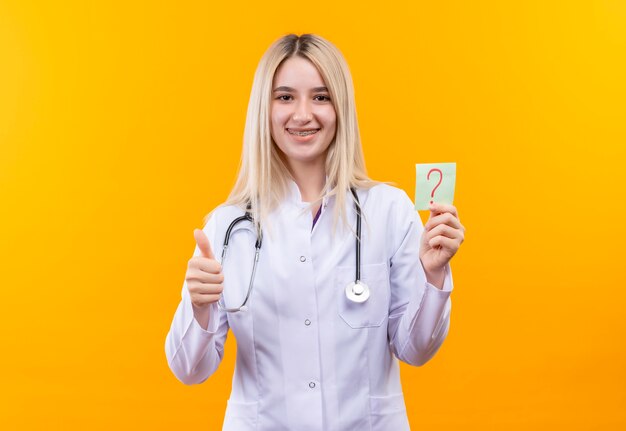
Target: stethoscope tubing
point(259, 242)
point(357, 206)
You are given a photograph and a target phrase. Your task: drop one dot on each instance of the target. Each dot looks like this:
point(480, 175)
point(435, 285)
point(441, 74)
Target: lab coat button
point(311, 385)
point(302, 258)
point(307, 322)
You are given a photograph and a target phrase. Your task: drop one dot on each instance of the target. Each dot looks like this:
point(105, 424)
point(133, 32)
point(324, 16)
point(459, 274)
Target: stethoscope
point(356, 290)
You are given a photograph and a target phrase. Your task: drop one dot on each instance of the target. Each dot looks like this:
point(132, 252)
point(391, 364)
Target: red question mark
point(432, 194)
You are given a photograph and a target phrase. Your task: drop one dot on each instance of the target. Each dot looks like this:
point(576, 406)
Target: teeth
point(305, 133)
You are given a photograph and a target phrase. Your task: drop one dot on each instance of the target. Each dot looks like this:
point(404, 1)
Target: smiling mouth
point(303, 132)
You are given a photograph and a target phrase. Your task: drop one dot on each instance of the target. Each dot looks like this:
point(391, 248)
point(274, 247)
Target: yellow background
point(121, 127)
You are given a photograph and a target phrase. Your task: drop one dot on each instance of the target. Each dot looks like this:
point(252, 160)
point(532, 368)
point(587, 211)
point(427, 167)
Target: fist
point(442, 236)
point(204, 274)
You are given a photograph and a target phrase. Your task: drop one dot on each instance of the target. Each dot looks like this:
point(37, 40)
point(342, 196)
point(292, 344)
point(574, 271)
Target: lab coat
point(307, 357)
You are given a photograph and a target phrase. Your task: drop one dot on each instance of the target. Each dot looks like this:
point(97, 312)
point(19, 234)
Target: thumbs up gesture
point(204, 275)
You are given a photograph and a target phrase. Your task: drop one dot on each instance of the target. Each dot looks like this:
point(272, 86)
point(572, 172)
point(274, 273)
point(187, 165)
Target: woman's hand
point(442, 237)
point(204, 279)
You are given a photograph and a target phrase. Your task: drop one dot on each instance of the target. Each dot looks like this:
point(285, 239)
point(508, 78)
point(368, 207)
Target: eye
point(283, 95)
point(324, 98)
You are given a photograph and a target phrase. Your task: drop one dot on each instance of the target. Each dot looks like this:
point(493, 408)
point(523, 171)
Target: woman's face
point(303, 120)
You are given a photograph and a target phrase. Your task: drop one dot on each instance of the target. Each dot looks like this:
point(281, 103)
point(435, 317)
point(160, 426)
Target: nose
point(302, 112)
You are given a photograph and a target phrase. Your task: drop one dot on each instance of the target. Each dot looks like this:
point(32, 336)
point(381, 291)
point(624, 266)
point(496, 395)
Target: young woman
point(326, 277)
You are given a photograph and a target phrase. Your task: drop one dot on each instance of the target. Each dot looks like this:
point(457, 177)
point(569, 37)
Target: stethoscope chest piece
point(357, 291)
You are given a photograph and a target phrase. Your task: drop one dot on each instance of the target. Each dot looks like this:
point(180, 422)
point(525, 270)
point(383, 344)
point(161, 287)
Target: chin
point(302, 157)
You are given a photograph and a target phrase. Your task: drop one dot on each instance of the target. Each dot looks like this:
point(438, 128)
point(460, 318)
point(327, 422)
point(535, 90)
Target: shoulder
point(383, 195)
point(224, 213)
point(391, 207)
point(228, 211)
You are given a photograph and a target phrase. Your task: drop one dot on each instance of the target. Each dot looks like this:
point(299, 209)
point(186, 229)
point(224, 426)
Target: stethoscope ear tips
point(357, 291)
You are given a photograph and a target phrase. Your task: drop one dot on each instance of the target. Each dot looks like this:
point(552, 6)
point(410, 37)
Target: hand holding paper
point(443, 232)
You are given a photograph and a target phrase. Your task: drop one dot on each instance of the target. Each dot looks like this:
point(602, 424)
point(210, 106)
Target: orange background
point(121, 127)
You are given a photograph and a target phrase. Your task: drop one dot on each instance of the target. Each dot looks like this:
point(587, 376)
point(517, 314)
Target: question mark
point(432, 194)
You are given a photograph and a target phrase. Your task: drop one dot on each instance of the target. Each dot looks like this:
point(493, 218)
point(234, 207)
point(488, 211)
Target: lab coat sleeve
point(419, 312)
point(193, 353)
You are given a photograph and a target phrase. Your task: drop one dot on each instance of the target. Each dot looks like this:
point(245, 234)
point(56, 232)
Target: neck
point(310, 178)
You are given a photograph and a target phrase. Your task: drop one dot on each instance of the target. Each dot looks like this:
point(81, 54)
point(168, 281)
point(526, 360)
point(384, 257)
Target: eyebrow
point(289, 89)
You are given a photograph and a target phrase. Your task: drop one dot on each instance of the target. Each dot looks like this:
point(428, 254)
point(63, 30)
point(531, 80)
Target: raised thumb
point(203, 243)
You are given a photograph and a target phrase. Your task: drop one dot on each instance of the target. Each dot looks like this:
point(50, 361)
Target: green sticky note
point(434, 183)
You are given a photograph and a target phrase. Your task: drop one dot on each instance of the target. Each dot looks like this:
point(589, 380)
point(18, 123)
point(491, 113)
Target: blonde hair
point(262, 177)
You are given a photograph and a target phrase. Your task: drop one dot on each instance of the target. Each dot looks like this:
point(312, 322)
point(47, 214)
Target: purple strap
point(319, 211)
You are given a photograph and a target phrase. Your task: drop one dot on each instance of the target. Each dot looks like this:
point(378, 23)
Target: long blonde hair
point(262, 177)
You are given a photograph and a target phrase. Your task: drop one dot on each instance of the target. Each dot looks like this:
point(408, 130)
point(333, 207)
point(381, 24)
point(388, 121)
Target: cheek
point(331, 124)
point(330, 119)
point(277, 122)
point(279, 116)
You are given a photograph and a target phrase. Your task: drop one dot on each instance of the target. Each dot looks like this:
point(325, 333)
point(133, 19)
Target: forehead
point(297, 72)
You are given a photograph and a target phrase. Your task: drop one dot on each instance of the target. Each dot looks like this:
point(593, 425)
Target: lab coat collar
point(295, 196)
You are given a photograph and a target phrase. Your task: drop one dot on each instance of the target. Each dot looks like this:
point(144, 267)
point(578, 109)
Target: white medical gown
point(307, 357)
